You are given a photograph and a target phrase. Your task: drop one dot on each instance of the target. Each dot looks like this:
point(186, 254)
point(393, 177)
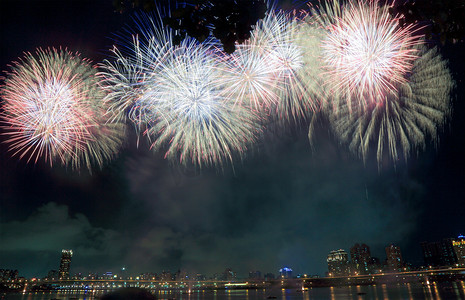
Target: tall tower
point(361, 258)
point(394, 258)
point(459, 248)
point(431, 253)
point(285, 272)
point(65, 263)
point(338, 263)
point(440, 253)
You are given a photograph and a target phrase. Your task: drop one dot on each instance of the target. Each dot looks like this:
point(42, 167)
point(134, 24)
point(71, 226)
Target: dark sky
point(285, 204)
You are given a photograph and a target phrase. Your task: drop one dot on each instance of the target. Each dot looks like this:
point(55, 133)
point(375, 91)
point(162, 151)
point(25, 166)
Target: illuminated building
point(338, 263)
point(65, 263)
point(448, 254)
point(431, 253)
point(459, 249)
point(394, 258)
point(285, 272)
point(439, 253)
point(361, 258)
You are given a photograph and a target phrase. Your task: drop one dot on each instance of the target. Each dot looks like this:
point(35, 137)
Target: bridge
point(422, 276)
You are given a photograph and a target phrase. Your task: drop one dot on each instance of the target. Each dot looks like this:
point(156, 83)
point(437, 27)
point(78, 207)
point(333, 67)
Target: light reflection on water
point(440, 291)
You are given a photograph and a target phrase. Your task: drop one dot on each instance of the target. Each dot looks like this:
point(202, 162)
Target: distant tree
point(444, 19)
point(229, 21)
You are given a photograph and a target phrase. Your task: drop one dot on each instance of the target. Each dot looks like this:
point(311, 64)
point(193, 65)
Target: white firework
point(189, 114)
point(137, 61)
point(278, 35)
point(402, 122)
point(366, 52)
point(251, 79)
point(54, 110)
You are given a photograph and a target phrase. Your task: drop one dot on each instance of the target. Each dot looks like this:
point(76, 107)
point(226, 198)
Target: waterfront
point(414, 291)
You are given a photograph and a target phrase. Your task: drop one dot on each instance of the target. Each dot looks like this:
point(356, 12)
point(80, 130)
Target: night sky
point(284, 204)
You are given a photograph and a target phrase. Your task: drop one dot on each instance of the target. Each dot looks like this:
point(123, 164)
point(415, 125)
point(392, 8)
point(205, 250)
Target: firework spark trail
point(251, 78)
point(310, 37)
point(199, 123)
point(137, 61)
point(106, 138)
point(119, 79)
point(404, 121)
point(277, 35)
point(177, 96)
point(50, 108)
point(367, 54)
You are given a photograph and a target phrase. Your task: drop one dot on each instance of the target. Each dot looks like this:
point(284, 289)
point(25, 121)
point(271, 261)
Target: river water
point(436, 291)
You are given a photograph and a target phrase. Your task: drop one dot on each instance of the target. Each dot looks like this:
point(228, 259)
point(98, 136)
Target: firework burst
point(178, 97)
point(192, 115)
point(402, 122)
point(278, 35)
point(135, 63)
point(366, 53)
point(251, 78)
point(51, 107)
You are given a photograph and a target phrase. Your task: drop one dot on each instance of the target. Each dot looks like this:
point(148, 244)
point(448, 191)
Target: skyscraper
point(361, 258)
point(459, 249)
point(65, 263)
point(448, 254)
point(285, 272)
point(394, 258)
point(338, 263)
point(439, 253)
point(431, 253)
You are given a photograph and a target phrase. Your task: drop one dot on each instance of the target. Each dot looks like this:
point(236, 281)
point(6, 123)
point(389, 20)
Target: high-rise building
point(338, 263)
point(431, 253)
point(285, 272)
point(439, 253)
point(394, 258)
point(361, 258)
point(65, 263)
point(459, 249)
point(448, 254)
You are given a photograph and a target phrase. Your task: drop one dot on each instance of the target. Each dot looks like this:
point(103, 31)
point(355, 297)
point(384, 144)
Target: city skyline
point(284, 204)
point(340, 263)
